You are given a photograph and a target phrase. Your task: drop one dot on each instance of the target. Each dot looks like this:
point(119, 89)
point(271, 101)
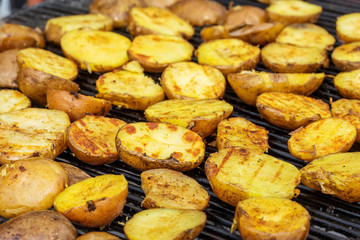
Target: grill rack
point(331, 218)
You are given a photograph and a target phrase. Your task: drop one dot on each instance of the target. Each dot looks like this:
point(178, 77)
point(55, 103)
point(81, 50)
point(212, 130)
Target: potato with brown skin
point(347, 84)
point(347, 57)
point(9, 69)
point(43, 224)
point(240, 16)
point(98, 236)
point(160, 3)
point(74, 174)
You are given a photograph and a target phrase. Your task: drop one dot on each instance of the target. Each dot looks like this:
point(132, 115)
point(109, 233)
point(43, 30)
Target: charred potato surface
point(12, 100)
point(347, 57)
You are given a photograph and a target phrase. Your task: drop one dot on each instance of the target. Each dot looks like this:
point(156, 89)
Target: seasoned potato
point(335, 174)
point(347, 57)
point(28, 185)
point(92, 139)
point(165, 188)
point(287, 58)
point(288, 12)
point(175, 224)
point(160, 3)
point(9, 69)
point(291, 111)
point(74, 174)
point(156, 52)
point(12, 100)
point(306, 35)
point(348, 84)
point(178, 81)
point(19, 36)
point(228, 55)
point(248, 85)
point(117, 10)
point(239, 132)
point(43, 224)
point(98, 236)
point(271, 218)
point(41, 70)
point(56, 27)
point(321, 138)
point(76, 105)
point(94, 50)
point(236, 174)
point(347, 27)
point(207, 12)
point(200, 116)
point(240, 16)
point(159, 145)
point(152, 20)
point(128, 89)
point(93, 202)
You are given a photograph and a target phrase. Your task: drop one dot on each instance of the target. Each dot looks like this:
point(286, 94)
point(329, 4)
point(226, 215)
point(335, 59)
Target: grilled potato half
point(335, 174)
point(179, 79)
point(271, 218)
point(321, 138)
point(348, 84)
point(98, 236)
point(55, 28)
point(165, 188)
point(228, 55)
point(239, 132)
point(287, 58)
point(200, 116)
point(175, 224)
point(93, 202)
point(9, 68)
point(248, 85)
point(32, 132)
point(159, 145)
point(12, 100)
point(236, 174)
point(291, 111)
point(347, 27)
point(153, 20)
point(92, 139)
point(93, 50)
point(156, 52)
point(347, 57)
point(74, 174)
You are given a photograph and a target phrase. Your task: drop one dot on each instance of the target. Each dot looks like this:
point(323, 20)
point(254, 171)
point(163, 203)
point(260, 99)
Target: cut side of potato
point(271, 218)
point(236, 174)
point(133, 90)
point(156, 52)
point(98, 236)
point(9, 69)
point(12, 100)
point(348, 84)
point(321, 138)
point(287, 58)
point(92, 139)
point(152, 20)
point(347, 57)
point(248, 85)
point(159, 145)
point(336, 174)
point(93, 50)
point(239, 132)
point(347, 27)
point(94, 202)
point(160, 3)
point(74, 174)
point(165, 188)
point(291, 111)
point(179, 79)
point(228, 55)
point(200, 116)
point(165, 224)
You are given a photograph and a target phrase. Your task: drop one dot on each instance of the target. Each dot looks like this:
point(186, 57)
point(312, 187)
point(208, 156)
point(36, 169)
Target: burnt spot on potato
point(172, 128)
point(130, 129)
point(22, 168)
point(91, 206)
point(152, 126)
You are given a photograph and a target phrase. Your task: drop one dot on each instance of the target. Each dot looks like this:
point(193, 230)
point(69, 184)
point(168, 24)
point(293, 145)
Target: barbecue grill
point(331, 218)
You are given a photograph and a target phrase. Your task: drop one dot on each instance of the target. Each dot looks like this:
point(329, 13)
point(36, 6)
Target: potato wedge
point(159, 145)
point(287, 58)
point(236, 174)
point(98, 236)
point(92, 139)
point(200, 116)
point(55, 28)
point(239, 132)
point(74, 174)
point(321, 138)
point(94, 202)
point(291, 111)
point(347, 57)
point(152, 20)
point(175, 224)
point(9, 69)
point(133, 90)
point(12, 100)
point(28, 185)
point(288, 12)
point(228, 55)
point(178, 80)
point(335, 174)
point(348, 84)
point(347, 27)
point(271, 218)
point(156, 52)
point(165, 188)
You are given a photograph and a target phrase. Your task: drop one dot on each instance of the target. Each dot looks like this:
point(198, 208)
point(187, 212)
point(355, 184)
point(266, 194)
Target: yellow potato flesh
point(12, 100)
point(348, 27)
point(347, 52)
point(294, 8)
point(348, 84)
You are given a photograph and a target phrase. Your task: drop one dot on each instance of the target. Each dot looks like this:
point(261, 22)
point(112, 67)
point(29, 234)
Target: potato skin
point(98, 236)
point(74, 174)
point(347, 57)
point(9, 69)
